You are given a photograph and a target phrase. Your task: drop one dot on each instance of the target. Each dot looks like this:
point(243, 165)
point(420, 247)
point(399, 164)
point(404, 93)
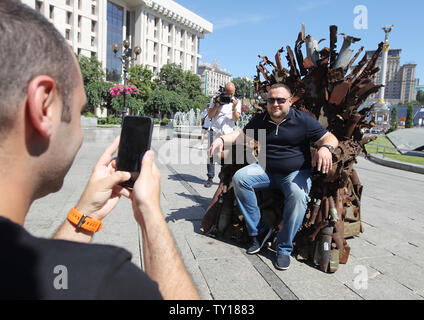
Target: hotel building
point(400, 80)
point(166, 31)
point(212, 78)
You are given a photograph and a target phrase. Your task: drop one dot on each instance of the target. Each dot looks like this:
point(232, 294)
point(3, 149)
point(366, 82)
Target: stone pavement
point(386, 261)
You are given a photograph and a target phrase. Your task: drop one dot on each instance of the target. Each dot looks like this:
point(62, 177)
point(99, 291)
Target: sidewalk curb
point(396, 164)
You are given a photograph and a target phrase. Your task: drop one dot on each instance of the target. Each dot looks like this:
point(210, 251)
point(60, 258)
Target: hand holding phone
point(136, 138)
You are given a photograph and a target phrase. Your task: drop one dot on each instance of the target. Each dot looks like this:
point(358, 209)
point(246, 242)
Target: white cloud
point(310, 5)
point(232, 22)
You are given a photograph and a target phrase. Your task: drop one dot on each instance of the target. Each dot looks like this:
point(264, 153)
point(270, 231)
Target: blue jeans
point(295, 187)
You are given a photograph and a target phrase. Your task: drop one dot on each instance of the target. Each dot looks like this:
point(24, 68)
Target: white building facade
point(212, 78)
point(166, 31)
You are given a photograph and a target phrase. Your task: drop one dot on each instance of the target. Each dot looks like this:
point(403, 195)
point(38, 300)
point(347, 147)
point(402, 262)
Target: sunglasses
point(279, 100)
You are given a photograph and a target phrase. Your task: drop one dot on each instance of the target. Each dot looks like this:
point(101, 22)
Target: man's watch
point(329, 147)
point(83, 222)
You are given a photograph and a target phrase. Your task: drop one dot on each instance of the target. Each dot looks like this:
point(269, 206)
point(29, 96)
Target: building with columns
point(166, 31)
point(212, 77)
point(400, 79)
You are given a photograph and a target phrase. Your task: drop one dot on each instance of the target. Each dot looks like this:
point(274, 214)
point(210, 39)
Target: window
point(93, 26)
point(155, 52)
point(115, 20)
point(93, 10)
point(39, 6)
point(128, 24)
point(68, 17)
point(68, 2)
point(79, 21)
point(93, 41)
point(51, 12)
point(68, 34)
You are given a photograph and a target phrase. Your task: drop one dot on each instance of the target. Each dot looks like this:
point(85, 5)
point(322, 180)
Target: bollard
point(170, 133)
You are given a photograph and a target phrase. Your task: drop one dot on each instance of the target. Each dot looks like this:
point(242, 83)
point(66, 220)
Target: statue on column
point(387, 29)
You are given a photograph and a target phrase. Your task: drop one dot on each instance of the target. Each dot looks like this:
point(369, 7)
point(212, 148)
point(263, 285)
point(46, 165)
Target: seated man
point(289, 133)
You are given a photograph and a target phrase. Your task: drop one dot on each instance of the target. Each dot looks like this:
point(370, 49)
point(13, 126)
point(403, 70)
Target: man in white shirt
point(206, 125)
point(224, 111)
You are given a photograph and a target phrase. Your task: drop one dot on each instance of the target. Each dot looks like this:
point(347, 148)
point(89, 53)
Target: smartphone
point(136, 139)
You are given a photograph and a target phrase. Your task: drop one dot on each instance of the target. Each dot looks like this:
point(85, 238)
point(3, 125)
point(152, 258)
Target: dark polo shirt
point(287, 143)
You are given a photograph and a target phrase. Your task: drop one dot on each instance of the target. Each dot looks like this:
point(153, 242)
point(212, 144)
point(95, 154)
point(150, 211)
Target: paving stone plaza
point(386, 261)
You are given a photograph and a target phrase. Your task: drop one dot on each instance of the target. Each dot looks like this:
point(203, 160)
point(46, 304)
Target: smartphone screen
point(136, 138)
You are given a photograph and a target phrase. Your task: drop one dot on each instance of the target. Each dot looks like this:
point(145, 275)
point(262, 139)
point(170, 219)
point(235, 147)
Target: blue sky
point(244, 29)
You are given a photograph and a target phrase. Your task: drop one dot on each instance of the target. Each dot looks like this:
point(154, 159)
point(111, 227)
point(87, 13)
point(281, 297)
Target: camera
point(222, 98)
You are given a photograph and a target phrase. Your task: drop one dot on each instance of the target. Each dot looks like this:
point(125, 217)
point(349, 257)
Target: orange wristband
point(84, 222)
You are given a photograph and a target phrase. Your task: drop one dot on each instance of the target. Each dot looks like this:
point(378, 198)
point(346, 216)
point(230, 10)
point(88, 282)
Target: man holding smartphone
point(41, 99)
point(224, 111)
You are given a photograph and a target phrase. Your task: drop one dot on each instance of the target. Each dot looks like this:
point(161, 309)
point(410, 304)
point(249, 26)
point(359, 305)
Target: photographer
point(41, 100)
point(224, 111)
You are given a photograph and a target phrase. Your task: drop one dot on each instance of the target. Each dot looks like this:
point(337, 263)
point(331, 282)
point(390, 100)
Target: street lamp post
point(126, 58)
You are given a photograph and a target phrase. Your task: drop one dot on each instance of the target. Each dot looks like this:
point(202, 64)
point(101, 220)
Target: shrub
point(89, 115)
point(111, 119)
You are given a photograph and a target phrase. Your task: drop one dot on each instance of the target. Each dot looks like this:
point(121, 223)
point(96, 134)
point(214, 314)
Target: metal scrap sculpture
point(327, 85)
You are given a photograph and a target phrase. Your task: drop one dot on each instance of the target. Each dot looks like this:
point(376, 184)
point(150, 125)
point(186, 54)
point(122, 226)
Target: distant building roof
point(212, 67)
point(392, 53)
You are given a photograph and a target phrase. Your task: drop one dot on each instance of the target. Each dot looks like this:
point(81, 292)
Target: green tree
point(394, 120)
point(91, 69)
point(192, 85)
point(178, 102)
point(171, 77)
point(409, 117)
point(177, 90)
point(420, 97)
point(132, 102)
point(244, 88)
point(96, 88)
point(164, 102)
point(200, 102)
point(158, 103)
point(97, 95)
point(142, 77)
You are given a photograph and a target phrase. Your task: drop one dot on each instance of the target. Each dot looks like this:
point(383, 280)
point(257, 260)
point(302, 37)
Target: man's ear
point(41, 98)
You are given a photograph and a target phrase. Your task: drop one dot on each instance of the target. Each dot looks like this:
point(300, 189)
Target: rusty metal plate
point(352, 229)
point(339, 93)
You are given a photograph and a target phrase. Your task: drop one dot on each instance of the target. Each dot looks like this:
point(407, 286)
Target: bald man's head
point(230, 89)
